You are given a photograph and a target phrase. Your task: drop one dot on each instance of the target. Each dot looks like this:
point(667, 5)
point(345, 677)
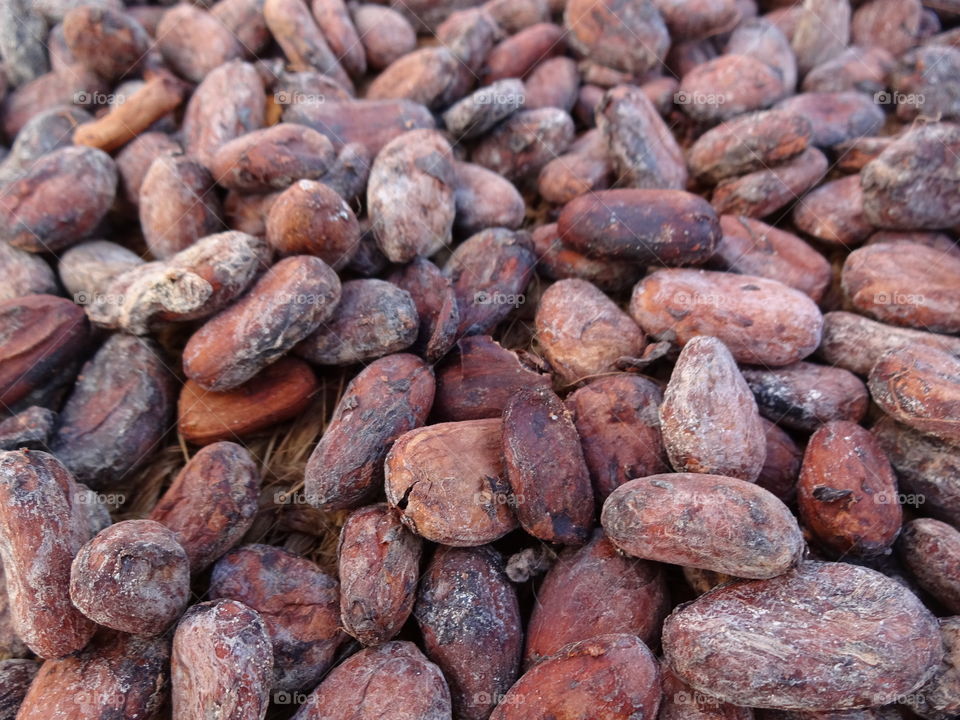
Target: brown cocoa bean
point(892, 26)
point(926, 467)
point(477, 113)
point(309, 218)
point(618, 422)
point(727, 86)
point(545, 468)
point(847, 494)
point(272, 158)
point(87, 269)
point(118, 412)
point(743, 530)
point(244, 19)
point(822, 32)
point(519, 147)
point(410, 195)
point(221, 662)
point(764, 192)
point(303, 43)
point(436, 304)
point(925, 83)
point(470, 34)
point(763, 39)
point(621, 34)
point(16, 676)
point(583, 332)
point(278, 393)
point(478, 378)
point(30, 429)
point(552, 83)
point(635, 599)
point(393, 681)
point(641, 226)
point(47, 92)
point(379, 564)
point(855, 343)
point(116, 674)
point(448, 482)
point(194, 42)
point(833, 213)
point(468, 614)
point(751, 247)
point(576, 173)
point(432, 76)
point(37, 547)
point(337, 27)
point(136, 157)
point(940, 697)
point(43, 133)
point(371, 123)
point(229, 102)
point(708, 417)
point(110, 43)
point(385, 34)
point(297, 602)
point(695, 19)
point(133, 577)
point(211, 503)
point(559, 262)
point(644, 152)
point(803, 396)
point(59, 201)
point(822, 610)
point(912, 184)
point(920, 387)
point(489, 272)
point(835, 117)
point(904, 284)
point(862, 69)
point(284, 306)
point(931, 551)
point(748, 143)
point(483, 199)
point(682, 702)
point(760, 321)
point(389, 398)
point(614, 676)
point(518, 54)
point(177, 204)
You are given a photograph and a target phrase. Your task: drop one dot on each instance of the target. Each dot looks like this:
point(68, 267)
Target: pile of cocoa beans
point(632, 328)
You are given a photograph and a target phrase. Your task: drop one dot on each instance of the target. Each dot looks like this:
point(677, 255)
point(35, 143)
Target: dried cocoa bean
point(448, 482)
point(804, 395)
point(760, 321)
point(297, 602)
point(557, 261)
point(278, 393)
point(709, 419)
point(133, 577)
point(211, 503)
point(194, 42)
point(309, 218)
point(389, 398)
point(436, 304)
point(284, 306)
point(764, 192)
point(742, 530)
point(379, 565)
point(931, 551)
point(822, 610)
point(635, 599)
point(624, 35)
point(118, 412)
point(468, 614)
point(519, 147)
point(220, 663)
point(478, 378)
point(385, 34)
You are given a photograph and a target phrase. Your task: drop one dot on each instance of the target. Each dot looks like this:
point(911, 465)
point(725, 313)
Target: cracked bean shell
point(448, 483)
